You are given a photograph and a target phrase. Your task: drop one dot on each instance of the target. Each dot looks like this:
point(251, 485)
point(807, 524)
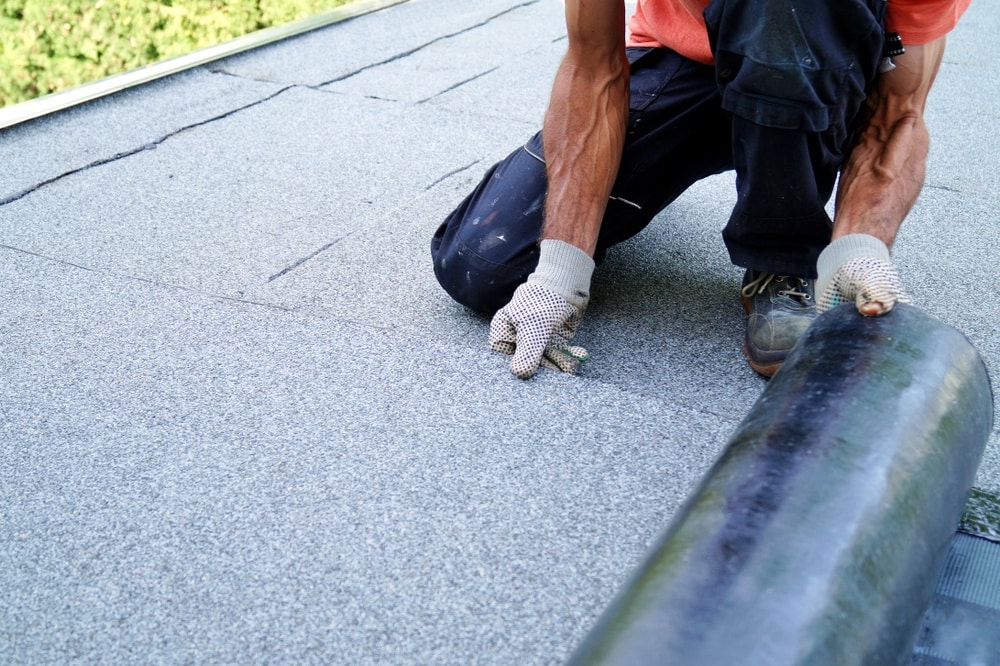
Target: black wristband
point(893, 45)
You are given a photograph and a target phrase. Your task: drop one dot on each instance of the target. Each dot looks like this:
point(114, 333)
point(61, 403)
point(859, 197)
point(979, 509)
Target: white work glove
point(856, 268)
point(536, 326)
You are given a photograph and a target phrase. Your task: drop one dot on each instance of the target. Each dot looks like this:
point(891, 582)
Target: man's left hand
point(856, 268)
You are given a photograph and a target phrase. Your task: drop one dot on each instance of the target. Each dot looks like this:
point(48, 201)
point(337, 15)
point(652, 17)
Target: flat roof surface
point(241, 422)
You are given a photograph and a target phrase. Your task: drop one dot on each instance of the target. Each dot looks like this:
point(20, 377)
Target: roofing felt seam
point(138, 278)
point(147, 146)
point(299, 262)
point(457, 85)
point(421, 47)
point(452, 173)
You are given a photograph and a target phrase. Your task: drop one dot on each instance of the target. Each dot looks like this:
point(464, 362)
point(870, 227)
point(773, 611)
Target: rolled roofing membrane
point(41, 106)
point(819, 535)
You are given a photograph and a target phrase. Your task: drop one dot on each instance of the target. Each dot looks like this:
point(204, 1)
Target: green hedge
point(47, 46)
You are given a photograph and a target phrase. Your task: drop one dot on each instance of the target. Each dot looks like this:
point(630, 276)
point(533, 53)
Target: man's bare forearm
point(885, 171)
point(584, 129)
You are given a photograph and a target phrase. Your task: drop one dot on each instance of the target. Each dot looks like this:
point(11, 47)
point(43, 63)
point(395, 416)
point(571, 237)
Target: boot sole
point(766, 369)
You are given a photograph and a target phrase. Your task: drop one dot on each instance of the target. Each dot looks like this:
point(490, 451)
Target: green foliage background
point(47, 46)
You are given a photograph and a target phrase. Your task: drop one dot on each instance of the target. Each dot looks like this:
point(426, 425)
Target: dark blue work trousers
point(779, 107)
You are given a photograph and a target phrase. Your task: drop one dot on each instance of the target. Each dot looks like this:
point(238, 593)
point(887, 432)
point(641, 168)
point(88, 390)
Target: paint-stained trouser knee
point(688, 121)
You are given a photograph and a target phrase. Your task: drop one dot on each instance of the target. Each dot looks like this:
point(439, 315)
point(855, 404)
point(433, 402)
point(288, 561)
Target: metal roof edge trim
point(64, 99)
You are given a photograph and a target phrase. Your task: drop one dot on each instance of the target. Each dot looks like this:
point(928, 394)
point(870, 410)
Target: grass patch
point(50, 46)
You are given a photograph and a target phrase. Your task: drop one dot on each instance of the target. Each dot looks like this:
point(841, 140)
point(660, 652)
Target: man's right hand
point(536, 326)
point(535, 329)
point(583, 136)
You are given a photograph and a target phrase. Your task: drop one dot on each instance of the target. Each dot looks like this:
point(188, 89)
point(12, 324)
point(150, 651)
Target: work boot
point(779, 309)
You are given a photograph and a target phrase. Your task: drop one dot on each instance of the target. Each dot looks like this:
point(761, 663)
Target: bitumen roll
point(818, 535)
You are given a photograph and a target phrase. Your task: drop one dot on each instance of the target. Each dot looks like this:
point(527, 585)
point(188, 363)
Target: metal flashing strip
point(41, 106)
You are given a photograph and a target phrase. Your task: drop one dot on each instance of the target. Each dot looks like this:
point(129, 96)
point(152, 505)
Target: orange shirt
point(679, 25)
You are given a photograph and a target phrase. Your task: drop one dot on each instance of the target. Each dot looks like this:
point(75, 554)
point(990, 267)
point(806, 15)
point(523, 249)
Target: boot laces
point(796, 287)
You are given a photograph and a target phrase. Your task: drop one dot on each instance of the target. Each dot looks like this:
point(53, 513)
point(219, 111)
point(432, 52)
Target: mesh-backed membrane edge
point(962, 625)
